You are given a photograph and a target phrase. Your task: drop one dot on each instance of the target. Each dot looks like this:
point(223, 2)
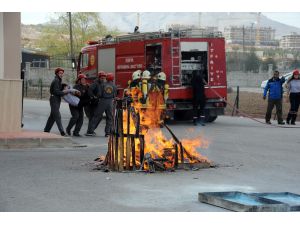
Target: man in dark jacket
point(274, 87)
point(109, 93)
point(77, 111)
point(198, 96)
point(95, 92)
point(56, 93)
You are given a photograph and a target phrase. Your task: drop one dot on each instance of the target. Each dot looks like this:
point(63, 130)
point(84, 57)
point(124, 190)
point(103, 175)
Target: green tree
point(265, 64)
point(295, 64)
point(55, 39)
point(252, 62)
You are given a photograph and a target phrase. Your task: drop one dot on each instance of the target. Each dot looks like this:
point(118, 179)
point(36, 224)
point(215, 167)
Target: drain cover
point(242, 202)
point(291, 199)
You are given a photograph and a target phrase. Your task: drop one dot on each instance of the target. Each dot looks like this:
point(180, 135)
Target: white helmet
point(146, 75)
point(136, 75)
point(161, 76)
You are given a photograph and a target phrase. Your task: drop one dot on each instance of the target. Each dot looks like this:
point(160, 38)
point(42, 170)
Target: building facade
point(250, 36)
point(291, 41)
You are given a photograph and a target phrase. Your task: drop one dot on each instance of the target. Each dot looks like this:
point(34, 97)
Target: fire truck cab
point(176, 52)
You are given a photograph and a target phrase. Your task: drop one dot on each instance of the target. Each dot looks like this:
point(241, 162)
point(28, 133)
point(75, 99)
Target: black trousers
point(278, 104)
point(198, 107)
point(294, 106)
point(104, 105)
point(76, 119)
point(294, 101)
point(54, 115)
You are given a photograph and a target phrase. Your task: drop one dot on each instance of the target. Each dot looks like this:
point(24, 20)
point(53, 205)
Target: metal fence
point(60, 62)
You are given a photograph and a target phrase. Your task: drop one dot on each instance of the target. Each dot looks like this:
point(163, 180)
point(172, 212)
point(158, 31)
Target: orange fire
point(156, 143)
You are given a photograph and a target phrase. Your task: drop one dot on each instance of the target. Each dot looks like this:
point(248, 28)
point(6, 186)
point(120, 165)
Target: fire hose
point(245, 114)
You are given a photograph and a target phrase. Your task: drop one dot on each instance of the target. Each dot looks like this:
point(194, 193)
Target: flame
point(191, 146)
point(156, 143)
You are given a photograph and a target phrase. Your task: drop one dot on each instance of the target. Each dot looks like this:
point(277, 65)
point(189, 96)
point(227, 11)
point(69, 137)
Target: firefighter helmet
point(58, 69)
point(110, 77)
point(101, 74)
point(80, 76)
point(296, 72)
point(146, 75)
point(136, 75)
point(161, 76)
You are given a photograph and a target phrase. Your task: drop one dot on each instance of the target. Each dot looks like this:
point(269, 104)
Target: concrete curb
point(17, 143)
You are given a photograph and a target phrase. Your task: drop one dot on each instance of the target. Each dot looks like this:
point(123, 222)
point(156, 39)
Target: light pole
point(71, 41)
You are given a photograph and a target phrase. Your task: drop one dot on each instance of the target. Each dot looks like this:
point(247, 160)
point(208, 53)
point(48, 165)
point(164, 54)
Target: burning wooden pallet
point(128, 150)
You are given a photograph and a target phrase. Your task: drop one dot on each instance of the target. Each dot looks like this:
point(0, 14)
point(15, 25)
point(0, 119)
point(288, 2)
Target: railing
point(175, 33)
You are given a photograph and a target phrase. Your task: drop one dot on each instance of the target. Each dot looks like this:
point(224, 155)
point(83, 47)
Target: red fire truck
point(177, 53)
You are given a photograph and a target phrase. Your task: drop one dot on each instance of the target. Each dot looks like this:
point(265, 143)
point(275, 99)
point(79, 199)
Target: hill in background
point(125, 22)
point(156, 21)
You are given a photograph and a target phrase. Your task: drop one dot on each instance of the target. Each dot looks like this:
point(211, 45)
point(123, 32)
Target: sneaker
point(107, 135)
point(281, 123)
point(76, 135)
point(268, 122)
point(62, 133)
point(293, 123)
point(68, 132)
point(90, 134)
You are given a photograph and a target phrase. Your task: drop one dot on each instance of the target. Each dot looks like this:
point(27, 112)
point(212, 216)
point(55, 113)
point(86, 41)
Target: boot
point(288, 118)
point(294, 116)
point(202, 120)
point(195, 121)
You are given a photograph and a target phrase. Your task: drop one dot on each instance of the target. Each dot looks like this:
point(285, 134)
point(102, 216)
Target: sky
point(289, 18)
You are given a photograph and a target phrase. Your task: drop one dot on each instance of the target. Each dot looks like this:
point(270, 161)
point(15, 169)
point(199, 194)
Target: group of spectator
point(274, 87)
point(96, 98)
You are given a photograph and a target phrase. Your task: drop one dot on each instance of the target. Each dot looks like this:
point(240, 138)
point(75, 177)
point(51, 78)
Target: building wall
point(12, 45)
point(1, 47)
point(235, 35)
point(242, 79)
point(290, 42)
point(11, 105)
point(10, 62)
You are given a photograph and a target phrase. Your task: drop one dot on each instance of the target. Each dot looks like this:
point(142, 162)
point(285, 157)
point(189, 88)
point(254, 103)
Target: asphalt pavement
point(250, 157)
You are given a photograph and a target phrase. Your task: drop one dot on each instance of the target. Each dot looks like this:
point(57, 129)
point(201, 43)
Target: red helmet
point(296, 72)
point(101, 74)
point(110, 77)
point(58, 69)
point(80, 76)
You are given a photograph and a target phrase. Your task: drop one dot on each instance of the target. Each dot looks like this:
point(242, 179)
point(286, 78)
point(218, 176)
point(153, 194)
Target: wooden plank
point(121, 142)
point(128, 141)
point(133, 152)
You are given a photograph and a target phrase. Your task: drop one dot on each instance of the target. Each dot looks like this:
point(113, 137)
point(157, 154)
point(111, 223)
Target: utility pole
point(244, 68)
point(138, 19)
point(243, 39)
point(199, 20)
point(71, 41)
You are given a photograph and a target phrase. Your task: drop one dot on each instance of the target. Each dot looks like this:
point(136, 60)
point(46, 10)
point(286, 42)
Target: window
point(84, 60)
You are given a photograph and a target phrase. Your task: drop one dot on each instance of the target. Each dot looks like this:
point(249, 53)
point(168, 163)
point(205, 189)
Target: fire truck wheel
point(210, 119)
